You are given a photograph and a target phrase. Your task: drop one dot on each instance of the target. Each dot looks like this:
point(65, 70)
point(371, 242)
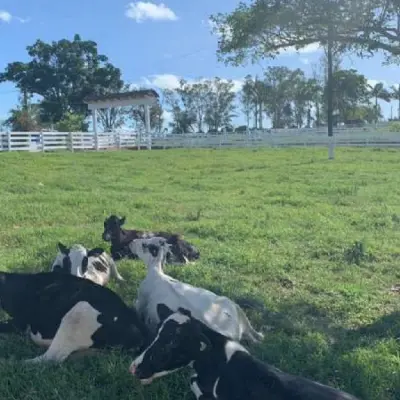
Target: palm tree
point(378, 92)
point(395, 94)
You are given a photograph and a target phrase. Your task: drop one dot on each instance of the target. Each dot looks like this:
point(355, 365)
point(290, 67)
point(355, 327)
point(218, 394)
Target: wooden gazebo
point(145, 98)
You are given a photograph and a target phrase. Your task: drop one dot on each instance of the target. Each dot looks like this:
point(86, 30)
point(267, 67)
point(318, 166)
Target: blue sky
point(153, 43)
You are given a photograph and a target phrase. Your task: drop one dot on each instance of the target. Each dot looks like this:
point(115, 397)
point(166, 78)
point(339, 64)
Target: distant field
point(317, 241)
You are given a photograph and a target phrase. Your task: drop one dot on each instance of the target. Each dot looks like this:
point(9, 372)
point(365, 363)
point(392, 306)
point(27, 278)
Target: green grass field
point(317, 241)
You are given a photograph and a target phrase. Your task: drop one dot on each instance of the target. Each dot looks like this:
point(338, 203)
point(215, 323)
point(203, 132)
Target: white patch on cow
point(77, 253)
point(215, 388)
point(38, 339)
point(196, 390)
point(231, 348)
point(115, 319)
point(74, 333)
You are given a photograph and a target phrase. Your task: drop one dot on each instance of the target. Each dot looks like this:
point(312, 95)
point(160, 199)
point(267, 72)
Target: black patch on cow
point(153, 249)
point(67, 265)
point(84, 265)
point(99, 266)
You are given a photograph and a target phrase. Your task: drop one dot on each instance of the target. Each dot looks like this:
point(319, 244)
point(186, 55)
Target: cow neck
point(156, 267)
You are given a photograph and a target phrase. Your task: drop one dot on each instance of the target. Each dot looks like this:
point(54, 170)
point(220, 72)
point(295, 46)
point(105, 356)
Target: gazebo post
point(147, 123)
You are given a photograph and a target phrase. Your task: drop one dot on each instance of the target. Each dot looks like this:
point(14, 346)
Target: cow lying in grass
point(223, 368)
point(95, 264)
point(181, 251)
point(218, 312)
point(68, 314)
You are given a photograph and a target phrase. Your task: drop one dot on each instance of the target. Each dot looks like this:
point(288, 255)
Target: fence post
point(118, 139)
point(71, 141)
point(41, 138)
point(9, 140)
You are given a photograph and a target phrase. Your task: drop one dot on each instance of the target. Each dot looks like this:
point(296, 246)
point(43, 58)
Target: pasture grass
point(317, 242)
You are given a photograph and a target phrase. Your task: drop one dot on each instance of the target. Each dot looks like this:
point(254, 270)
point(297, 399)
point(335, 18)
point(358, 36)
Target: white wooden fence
point(78, 141)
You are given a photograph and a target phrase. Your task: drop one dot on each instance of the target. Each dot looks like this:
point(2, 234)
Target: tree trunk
point(260, 116)
point(331, 144)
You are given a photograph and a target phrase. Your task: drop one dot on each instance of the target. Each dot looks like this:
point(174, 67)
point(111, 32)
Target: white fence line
point(81, 141)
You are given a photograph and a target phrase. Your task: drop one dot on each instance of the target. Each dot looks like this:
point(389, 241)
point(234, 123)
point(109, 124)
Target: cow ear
point(122, 221)
point(64, 249)
point(163, 311)
point(96, 252)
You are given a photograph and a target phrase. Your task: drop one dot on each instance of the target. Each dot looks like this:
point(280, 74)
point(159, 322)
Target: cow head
point(179, 341)
point(112, 227)
point(150, 250)
point(74, 260)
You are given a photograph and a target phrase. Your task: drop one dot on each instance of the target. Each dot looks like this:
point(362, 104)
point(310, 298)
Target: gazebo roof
point(134, 97)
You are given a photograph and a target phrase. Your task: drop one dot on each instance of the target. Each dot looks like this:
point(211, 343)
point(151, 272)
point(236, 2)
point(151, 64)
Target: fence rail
point(82, 141)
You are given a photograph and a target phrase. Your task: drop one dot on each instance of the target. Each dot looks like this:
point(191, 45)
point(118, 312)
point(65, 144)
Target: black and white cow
point(67, 314)
point(224, 369)
point(218, 312)
point(95, 264)
point(181, 251)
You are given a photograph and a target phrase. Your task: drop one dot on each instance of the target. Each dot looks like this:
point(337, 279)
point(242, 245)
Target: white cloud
point(162, 81)
point(141, 11)
point(373, 82)
point(170, 81)
point(22, 20)
point(5, 16)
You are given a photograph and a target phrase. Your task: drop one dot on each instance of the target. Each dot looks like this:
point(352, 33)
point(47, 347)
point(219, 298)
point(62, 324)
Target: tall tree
point(63, 73)
point(279, 82)
point(378, 92)
point(197, 97)
point(261, 29)
point(221, 107)
point(114, 117)
point(156, 117)
point(26, 117)
point(184, 120)
point(246, 98)
point(395, 93)
point(350, 90)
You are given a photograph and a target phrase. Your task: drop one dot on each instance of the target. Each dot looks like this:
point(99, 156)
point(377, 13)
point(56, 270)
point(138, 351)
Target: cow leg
point(74, 334)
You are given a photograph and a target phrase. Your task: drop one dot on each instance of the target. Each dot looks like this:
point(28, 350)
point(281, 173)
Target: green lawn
point(317, 241)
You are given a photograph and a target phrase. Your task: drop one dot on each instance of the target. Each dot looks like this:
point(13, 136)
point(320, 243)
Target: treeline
point(64, 73)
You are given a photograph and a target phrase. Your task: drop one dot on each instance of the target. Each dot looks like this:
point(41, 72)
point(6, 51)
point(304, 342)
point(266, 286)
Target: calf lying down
point(181, 251)
point(223, 368)
point(67, 314)
point(218, 312)
point(95, 264)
